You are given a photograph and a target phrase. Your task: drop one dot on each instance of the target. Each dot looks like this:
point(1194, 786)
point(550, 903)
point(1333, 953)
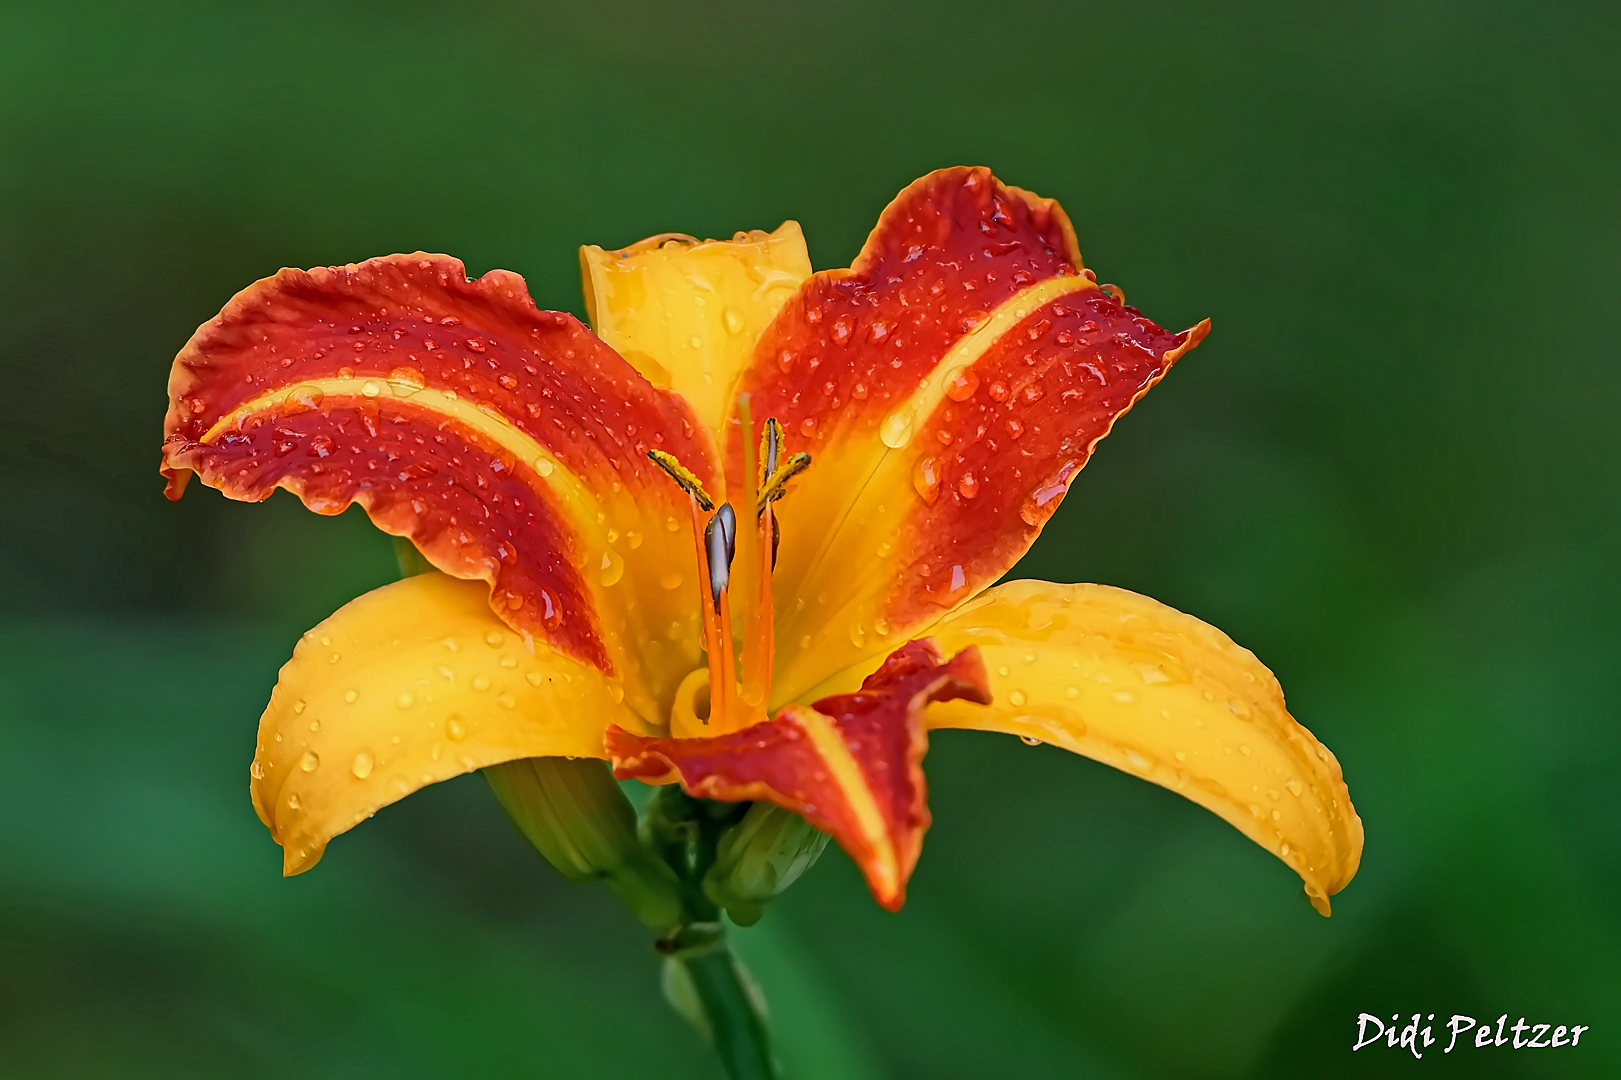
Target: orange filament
point(739, 685)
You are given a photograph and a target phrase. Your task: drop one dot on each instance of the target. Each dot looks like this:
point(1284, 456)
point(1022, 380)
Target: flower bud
point(573, 812)
point(758, 858)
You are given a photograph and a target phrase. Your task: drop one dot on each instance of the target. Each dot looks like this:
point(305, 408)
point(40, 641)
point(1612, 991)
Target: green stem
point(730, 1006)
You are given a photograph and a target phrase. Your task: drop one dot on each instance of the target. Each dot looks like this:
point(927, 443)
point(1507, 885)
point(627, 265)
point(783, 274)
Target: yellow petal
point(1127, 681)
point(687, 314)
point(405, 686)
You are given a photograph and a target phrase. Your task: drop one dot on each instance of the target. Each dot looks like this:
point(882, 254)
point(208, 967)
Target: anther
point(777, 479)
point(770, 450)
point(683, 477)
point(720, 542)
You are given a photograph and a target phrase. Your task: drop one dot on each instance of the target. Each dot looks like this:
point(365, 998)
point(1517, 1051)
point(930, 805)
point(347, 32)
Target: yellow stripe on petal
point(1135, 684)
point(406, 686)
point(687, 314)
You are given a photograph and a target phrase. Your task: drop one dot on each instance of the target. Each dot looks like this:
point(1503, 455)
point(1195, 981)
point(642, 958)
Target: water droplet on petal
point(257, 770)
point(1017, 697)
point(1072, 692)
point(858, 635)
point(968, 486)
point(896, 430)
point(542, 466)
point(309, 761)
point(1124, 697)
point(1293, 784)
point(962, 385)
point(298, 707)
point(406, 381)
point(733, 321)
point(926, 480)
point(1239, 709)
point(616, 693)
point(494, 638)
point(455, 728)
point(406, 700)
point(672, 580)
point(1029, 740)
point(506, 701)
point(351, 695)
point(362, 765)
point(612, 568)
point(481, 682)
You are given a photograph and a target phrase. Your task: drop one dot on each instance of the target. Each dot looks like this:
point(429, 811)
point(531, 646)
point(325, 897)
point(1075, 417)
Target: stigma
point(736, 551)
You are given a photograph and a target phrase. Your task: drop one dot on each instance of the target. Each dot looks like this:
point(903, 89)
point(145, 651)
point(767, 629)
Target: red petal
point(851, 764)
point(948, 385)
point(400, 384)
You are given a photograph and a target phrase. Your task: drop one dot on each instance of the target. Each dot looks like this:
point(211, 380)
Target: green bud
point(758, 858)
point(575, 815)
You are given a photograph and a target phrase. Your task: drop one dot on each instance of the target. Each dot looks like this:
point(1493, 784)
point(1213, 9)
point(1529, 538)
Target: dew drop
point(362, 765)
point(481, 682)
point(1139, 760)
point(256, 770)
point(506, 701)
point(1284, 850)
point(896, 430)
point(926, 480)
point(509, 661)
point(1029, 740)
point(309, 761)
point(613, 567)
point(733, 321)
point(298, 707)
point(968, 486)
point(1239, 709)
point(962, 385)
point(294, 802)
point(456, 729)
point(634, 539)
point(535, 678)
point(1017, 697)
point(616, 693)
point(858, 635)
point(672, 580)
point(1293, 784)
point(885, 548)
point(1072, 692)
point(494, 638)
point(371, 388)
point(1124, 697)
point(406, 381)
point(542, 466)
point(351, 695)
point(881, 626)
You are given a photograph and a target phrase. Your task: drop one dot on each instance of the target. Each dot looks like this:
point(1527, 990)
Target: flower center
point(736, 552)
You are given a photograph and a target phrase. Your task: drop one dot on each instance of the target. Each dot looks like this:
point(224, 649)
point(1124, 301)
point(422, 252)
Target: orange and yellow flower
point(741, 534)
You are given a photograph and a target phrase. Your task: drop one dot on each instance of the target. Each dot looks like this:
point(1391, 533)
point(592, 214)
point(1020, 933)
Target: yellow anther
point(791, 467)
point(682, 476)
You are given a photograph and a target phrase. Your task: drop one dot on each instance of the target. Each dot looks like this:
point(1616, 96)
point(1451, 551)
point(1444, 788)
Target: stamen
point(770, 450)
point(720, 545)
point(772, 489)
point(683, 477)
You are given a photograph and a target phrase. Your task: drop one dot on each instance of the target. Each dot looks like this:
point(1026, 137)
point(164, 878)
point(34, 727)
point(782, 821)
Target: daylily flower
point(740, 535)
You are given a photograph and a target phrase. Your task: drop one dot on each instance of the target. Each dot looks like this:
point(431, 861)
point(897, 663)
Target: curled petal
point(949, 385)
point(509, 444)
point(1140, 686)
point(405, 686)
point(851, 764)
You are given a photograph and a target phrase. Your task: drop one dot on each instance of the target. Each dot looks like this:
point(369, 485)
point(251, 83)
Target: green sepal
point(576, 816)
point(758, 858)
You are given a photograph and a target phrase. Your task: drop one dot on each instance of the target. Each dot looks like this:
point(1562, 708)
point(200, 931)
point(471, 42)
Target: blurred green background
point(1391, 471)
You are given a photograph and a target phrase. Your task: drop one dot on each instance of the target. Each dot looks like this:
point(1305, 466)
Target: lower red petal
point(851, 764)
